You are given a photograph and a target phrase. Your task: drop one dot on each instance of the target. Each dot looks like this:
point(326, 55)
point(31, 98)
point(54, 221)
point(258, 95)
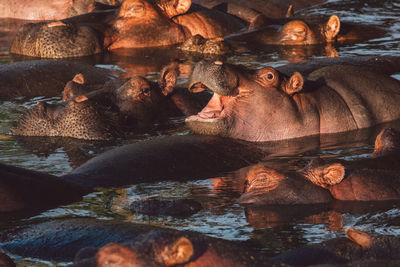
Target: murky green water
point(221, 217)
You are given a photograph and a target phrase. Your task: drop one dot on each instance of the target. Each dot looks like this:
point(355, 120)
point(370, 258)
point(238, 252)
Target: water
point(273, 230)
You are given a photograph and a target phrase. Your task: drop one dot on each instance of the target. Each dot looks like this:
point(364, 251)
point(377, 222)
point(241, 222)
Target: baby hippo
point(70, 119)
point(344, 180)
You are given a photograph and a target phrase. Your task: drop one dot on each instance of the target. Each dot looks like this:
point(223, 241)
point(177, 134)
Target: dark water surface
point(273, 229)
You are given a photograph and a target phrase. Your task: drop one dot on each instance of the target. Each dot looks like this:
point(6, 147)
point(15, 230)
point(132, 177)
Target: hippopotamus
point(266, 105)
point(25, 193)
point(167, 248)
point(62, 240)
point(47, 9)
point(360, 180)
point(271, 9)
point(359, 248)
point(295, 31)
point(136, 24)
point(102, 112)
point(73, 119)
point(45, 77)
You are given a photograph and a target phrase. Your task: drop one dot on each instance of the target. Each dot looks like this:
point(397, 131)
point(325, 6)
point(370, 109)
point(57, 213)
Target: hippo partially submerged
point(101, 112)
point(136, 24)
point(46, 9)
point(303, 32)
point(266, 105)
point(370, 179)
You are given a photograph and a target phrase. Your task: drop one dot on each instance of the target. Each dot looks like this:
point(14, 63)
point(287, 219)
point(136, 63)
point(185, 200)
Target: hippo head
point(145, 23)
point(388, 140)
point(265, 186)
point(138, 99)
point(294, 32)
point(71, 119)
point(253, 106)
point(297, 32)
point(159, 248)
point(74, 88)
point(324, 175)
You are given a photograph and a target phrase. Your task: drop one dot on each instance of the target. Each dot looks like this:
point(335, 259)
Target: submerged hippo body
point(38, 40)
point(74, 119)
point(169, 248)
point(62, 239)
point(368, 179)
point(44, 77)
point(300, 32)
point(265, 105)
point(136, 24)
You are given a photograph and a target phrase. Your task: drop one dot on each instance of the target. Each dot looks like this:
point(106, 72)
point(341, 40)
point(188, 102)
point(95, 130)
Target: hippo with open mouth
point(266, 105)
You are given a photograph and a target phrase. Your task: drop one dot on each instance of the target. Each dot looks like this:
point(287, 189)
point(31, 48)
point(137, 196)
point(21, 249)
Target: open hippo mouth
point(216, 77)
point(214, 110)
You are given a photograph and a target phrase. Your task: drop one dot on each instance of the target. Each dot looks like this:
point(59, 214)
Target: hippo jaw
point(214, 117)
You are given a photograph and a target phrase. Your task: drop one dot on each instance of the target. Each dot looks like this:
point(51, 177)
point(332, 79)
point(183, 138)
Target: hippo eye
point(146, 91)
point(270, 76)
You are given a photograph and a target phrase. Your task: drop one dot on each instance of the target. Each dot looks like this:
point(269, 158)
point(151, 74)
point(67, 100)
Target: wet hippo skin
point(103, 112)
point(44, 77)
point(24, 193)
point(45, 9)
point(367, 179)
point(167, 158)
point(167, 248)
point(292, 31)
point(136, 24)
point(61, 239)
point(266, 105)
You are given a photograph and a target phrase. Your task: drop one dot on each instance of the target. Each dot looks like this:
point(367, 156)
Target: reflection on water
point(274, 229)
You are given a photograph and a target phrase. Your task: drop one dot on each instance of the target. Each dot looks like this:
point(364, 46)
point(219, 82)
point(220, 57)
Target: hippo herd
point(240, 119)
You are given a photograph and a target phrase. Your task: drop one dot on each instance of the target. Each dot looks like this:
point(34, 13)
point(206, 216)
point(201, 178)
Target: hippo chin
point(266, 105)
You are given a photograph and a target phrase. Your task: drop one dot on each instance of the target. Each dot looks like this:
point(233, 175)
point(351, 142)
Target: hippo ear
point(359, 237)
point(116, 255)
point(79, 78)
point(168, 78)
point(175, 7)
point(295, 84)
point(80, 98)
point(183, 6)
point(333, 174)
point(179, 252)
point(332, 28)
point(290, 12)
